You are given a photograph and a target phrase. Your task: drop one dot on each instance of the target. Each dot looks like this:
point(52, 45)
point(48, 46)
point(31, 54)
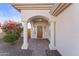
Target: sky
point(8, 12)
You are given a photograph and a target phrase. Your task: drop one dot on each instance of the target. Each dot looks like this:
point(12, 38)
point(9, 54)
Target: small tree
point(13, 31)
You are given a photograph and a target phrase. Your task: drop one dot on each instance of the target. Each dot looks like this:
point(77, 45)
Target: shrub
point(13, 31)
point(10, 38)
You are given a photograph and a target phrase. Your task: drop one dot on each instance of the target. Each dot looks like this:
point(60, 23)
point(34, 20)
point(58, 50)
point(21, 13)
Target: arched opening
point(47, 31)
point(38, 27)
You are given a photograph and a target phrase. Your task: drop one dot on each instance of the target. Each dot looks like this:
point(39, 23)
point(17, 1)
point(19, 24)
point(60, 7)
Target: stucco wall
point(26, 14)
point(67, 31)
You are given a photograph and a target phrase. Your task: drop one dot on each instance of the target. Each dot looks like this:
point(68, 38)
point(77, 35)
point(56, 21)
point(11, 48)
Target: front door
point(39, 32)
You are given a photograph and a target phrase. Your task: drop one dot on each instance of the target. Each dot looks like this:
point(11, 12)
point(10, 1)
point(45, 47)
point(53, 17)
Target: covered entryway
point(38, 15)
point(40, 33)
point(39, 27)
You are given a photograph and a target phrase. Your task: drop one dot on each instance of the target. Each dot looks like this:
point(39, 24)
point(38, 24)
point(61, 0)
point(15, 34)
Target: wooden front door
point(39, 32)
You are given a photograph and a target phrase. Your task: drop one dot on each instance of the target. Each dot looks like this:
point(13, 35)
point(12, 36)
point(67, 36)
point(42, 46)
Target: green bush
point(12, 30)
point(10, 38)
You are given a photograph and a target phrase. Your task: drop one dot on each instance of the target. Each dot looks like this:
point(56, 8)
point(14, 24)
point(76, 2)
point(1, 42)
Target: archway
point(49, 34)
point(39, 27)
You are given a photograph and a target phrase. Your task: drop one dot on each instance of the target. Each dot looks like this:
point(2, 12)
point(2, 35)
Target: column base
point(51, 47)
point(24, 46)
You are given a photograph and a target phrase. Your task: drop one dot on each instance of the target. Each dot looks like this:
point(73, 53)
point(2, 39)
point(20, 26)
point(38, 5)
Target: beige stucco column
point(25, 40)
point(52, 36)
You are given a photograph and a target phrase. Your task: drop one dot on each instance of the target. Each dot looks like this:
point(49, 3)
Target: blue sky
point(7, 12)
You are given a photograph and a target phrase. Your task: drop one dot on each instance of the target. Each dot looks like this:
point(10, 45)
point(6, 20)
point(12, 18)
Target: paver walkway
point(39, 46)
point(13, 50)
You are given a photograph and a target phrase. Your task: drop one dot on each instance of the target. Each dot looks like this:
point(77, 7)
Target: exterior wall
point(67, 31)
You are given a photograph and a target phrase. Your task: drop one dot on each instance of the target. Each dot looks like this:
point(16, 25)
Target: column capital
point(52, 22)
